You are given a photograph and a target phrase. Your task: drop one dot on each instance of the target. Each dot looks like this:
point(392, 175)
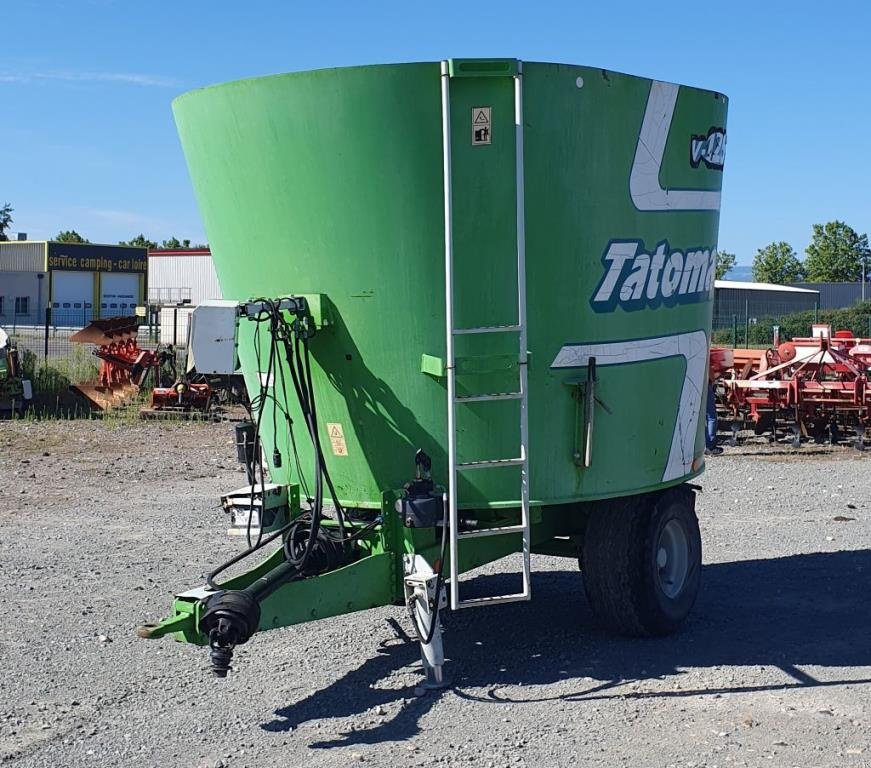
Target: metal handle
point(589, 406)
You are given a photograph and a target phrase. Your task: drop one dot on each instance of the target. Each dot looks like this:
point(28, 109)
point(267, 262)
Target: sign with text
point(86, 257)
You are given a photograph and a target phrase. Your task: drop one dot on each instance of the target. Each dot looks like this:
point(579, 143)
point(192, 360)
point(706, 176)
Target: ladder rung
point(491, 531)
point(490, 397)
point(494, 600)
point(462, 466)
point(488, 329)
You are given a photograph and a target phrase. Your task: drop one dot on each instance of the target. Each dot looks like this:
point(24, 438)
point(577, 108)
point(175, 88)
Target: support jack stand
point(421, 594)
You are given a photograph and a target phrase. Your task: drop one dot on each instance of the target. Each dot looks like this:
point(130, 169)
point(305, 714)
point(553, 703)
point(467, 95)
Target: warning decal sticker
point(337, 439)
point(481, 130)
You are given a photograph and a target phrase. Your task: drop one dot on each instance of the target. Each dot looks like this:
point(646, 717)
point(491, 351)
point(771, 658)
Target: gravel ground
point(102, 522)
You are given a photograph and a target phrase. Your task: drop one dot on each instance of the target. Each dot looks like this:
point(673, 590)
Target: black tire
point(625, 584)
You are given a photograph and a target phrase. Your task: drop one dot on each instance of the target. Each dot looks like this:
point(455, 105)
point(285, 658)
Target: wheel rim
point(672, 559)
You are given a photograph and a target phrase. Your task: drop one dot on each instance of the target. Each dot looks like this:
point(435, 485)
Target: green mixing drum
point(497, 272)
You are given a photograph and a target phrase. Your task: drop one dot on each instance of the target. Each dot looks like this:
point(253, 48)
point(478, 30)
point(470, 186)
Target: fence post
point(734, 331)
point(175, 326)
point(47, 323)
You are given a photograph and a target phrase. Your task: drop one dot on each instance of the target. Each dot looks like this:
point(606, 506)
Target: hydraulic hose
point(231, 617)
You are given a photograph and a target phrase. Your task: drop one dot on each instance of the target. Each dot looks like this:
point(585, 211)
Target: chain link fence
point(743, 326)
point(53, 361)
point(58, 367)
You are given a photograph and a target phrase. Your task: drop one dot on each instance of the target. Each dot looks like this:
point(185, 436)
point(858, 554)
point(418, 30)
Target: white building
point(183, 276)
point(178, 280)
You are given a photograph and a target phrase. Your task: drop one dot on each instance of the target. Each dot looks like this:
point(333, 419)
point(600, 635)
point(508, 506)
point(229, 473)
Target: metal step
point(489, 329)
point(517, 597)
point(501, 531)
point(489, 398)
point(464, 466)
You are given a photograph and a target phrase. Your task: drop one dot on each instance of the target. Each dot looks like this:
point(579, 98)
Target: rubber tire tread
point(615, 560)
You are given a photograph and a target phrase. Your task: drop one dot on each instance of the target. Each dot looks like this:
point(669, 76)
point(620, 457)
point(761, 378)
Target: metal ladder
point(522, 460)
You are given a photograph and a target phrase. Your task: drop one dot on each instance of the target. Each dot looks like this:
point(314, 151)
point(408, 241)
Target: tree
point(725, 262)
point(5, 220)
point(836, 254)
point(140, 241)
point(175, 243)
point(777, 263)
point(70, 236)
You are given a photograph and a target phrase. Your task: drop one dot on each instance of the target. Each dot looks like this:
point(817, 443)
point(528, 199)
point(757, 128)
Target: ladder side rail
point(522, 322)
point(449, 334)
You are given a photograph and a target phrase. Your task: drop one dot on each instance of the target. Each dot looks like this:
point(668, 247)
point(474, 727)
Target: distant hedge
point(856, 319)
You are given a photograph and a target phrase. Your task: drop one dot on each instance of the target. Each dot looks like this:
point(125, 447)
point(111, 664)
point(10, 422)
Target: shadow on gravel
point(785, 612)
point(781, 451)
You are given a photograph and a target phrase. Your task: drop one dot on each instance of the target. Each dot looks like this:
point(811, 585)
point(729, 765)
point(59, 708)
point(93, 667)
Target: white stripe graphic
point(693, 347)
point(644, 186)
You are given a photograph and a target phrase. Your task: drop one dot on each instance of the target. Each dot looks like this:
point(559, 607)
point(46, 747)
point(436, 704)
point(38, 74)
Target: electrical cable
point(305, 363)
point(440, 580)
point(264, 385)
point(273, 333)
point(289, 423)
point(283, 379)
point(288, 527)
point(304, 535)
point(303, 398)
point(308, 548)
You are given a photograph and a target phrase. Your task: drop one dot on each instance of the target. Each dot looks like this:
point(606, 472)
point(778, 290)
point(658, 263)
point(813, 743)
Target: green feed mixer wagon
point(472, 304)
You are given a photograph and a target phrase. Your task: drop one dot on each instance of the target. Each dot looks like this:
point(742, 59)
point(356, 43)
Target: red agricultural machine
point(125, 367)
point(815, 387)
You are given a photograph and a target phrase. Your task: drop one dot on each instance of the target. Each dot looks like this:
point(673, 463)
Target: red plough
point(125, 366)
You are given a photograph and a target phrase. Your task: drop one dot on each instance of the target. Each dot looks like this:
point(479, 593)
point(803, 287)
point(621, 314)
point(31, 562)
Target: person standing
point(711, 447)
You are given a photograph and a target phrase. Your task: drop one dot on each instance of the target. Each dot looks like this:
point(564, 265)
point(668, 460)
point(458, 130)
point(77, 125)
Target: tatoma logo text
point(635, 279)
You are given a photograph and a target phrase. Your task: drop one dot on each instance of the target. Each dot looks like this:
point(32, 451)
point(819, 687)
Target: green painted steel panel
point(330, 182)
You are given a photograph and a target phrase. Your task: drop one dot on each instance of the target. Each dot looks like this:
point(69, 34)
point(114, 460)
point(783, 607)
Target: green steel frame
point(376, 578)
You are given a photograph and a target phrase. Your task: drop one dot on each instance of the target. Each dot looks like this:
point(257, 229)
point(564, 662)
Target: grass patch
point(53, 377)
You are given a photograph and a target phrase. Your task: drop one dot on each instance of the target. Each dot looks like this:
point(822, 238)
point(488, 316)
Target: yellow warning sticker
point(337, 439)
